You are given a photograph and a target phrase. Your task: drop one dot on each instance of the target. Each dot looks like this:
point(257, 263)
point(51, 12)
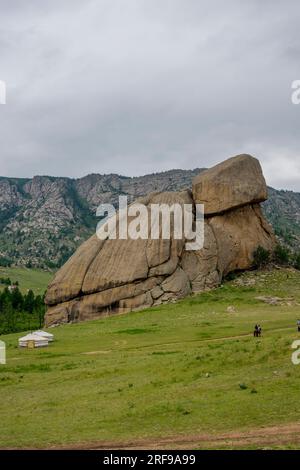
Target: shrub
point(297, 261)
point(261, 257)
point(243, 386)
point(281, 255)
point(5, 262)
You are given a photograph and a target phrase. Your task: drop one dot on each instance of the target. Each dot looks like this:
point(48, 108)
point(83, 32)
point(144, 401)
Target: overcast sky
point(139, 86)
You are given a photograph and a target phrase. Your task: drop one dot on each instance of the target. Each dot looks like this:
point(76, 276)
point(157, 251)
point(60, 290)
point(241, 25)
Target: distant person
point(255, 334)
point(259, 330)
point(298, 325)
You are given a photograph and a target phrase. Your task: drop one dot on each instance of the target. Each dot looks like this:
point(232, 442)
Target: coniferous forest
point(19, 312)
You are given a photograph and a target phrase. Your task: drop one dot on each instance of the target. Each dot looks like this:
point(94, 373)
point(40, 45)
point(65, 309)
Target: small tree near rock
point(297, 261)
point(281, 255)
point(261, 257)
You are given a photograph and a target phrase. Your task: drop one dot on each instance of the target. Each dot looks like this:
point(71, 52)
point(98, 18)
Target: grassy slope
point(34, 279)
point(168, 370)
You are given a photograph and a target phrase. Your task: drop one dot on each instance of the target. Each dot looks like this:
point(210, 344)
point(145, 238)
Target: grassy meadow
point(181, 369)
point(34, 279)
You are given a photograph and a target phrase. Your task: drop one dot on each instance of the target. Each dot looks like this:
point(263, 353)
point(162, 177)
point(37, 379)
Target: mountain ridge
point(45, 218)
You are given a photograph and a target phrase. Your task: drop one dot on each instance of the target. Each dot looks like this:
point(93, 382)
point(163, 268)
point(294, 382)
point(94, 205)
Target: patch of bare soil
point(263, 438)
point(92, 353)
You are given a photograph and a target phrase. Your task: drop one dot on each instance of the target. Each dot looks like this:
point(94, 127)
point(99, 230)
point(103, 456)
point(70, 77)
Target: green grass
point(184, 368)
point(34, 279)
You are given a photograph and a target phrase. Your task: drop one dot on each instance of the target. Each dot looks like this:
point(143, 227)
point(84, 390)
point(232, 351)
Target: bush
point(281, 255)
point(261, 257)
point(297, 261)
point(5, 280)
point(5, 262)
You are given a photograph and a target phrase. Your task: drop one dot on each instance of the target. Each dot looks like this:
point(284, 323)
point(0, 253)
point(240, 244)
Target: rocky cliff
point(108, 276)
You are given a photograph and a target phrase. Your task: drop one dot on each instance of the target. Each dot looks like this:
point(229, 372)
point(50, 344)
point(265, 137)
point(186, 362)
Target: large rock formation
point(116, 276)
point(230, 184)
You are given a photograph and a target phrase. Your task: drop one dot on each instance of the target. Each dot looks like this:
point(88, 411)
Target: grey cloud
point(136, 86)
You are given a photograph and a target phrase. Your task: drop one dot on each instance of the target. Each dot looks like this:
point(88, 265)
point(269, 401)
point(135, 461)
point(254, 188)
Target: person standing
point(259, 330)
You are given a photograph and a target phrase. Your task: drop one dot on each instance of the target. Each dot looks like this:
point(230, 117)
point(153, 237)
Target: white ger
point(44, 334)
point(33, 341)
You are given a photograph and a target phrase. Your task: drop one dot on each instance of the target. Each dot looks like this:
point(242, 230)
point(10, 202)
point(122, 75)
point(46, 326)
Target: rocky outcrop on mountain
point(44, 219)
point(115, 276)
point(282, 210)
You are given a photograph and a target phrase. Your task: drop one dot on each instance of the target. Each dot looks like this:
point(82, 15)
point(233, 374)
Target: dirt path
point(264, 437)
point(259, 438)
point(204, 341)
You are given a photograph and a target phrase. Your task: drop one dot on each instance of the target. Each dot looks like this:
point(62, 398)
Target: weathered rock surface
point(234, 183)
point(118, 276)
point(238, 233)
